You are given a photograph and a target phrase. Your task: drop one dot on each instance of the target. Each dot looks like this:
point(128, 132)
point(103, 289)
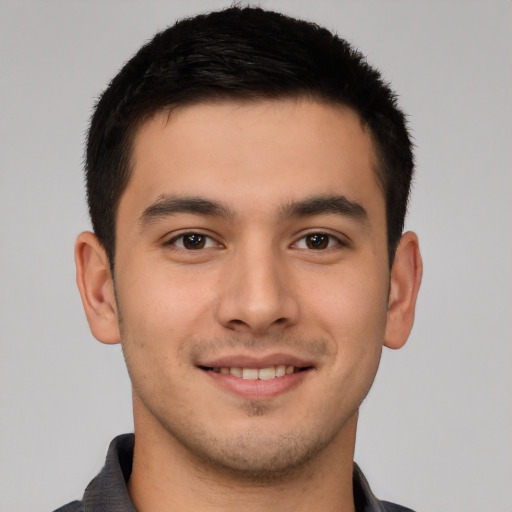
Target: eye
point(317, 241)
point(193, 241)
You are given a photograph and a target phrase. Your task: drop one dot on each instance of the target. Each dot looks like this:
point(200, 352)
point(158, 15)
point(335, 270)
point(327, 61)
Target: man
point(247, 179)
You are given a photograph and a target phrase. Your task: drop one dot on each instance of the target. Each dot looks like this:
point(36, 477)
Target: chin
point(254, 457)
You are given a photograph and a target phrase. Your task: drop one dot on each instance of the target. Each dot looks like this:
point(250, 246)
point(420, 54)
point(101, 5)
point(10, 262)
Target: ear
point(403, 290)
point(96, 288)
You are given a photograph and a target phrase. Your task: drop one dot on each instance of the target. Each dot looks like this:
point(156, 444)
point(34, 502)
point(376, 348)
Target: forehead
point(269, 151)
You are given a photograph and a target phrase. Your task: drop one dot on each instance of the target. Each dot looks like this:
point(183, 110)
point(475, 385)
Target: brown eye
point(317, 241)
point(194, 241)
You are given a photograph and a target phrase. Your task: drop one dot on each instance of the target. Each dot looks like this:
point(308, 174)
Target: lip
point(247, 361)
point(256, 389)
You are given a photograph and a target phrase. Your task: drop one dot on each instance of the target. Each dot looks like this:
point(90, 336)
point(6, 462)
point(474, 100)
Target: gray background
point(435, 432)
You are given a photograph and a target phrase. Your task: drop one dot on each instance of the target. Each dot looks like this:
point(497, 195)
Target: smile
point(257, 380)
point(268, 373)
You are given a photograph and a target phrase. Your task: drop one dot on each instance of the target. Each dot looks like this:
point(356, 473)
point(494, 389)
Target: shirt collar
point(108, 492)
point(365, 500)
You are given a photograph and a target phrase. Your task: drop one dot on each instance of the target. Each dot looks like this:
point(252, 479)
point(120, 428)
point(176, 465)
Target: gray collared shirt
point(108, 493)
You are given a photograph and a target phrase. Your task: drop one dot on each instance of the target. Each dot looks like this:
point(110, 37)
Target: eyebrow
point(324, 205)
point(166, 206)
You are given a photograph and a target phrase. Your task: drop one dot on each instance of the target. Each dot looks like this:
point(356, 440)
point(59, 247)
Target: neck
point(166, 476)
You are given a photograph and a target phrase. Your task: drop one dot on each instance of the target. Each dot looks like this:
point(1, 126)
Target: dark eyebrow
point(323, 205)
point(167, 205)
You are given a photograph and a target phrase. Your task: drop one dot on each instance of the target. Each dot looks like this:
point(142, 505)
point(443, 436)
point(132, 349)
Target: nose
point(256, 294)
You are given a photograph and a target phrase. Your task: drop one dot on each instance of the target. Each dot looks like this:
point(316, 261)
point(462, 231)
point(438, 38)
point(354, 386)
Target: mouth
point(257, 378)
point(251, 373)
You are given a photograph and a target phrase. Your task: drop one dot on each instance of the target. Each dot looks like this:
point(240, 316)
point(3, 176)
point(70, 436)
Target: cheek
point(163, 300)
point(158, 314)
point(351, 301)
point(352, 311)
point(354, 319)
point(160, 310)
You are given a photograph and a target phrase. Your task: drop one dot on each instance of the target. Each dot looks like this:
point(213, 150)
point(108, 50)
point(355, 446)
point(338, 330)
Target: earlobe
point(403, 291)
point(96, 288)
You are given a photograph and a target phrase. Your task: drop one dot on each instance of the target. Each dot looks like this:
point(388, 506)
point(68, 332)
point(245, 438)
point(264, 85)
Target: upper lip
point(251, 361)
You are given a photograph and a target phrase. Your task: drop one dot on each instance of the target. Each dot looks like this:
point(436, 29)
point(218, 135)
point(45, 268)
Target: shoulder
point(392, 507)
point(74, 506)
point(366, 501)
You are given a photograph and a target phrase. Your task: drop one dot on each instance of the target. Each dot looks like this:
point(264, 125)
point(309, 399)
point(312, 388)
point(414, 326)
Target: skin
point(257, 289)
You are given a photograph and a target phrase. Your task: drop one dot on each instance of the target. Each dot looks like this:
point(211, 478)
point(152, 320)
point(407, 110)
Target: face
point(252, 280)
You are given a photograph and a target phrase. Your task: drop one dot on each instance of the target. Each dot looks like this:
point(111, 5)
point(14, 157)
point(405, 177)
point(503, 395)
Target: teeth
point(267, 373)
point(250, 373)
point(281, 370)
point(237, 372)
point(254, 373)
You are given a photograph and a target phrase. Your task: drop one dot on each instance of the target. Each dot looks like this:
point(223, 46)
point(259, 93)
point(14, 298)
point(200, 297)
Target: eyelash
point(209, 242)
point(332, 241)
point(182, 236)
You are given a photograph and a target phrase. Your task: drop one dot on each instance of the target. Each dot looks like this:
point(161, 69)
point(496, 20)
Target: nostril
point(237, 322)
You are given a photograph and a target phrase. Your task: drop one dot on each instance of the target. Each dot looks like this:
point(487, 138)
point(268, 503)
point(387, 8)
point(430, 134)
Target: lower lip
point(257, 389)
